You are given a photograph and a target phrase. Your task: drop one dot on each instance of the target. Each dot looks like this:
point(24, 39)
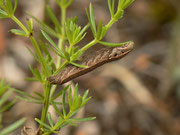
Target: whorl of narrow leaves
point(7, 9)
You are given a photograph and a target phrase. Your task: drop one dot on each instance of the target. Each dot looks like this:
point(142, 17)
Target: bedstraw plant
point(67, 32)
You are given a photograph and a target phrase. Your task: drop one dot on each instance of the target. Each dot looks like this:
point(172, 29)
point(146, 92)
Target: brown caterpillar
point(93, 61)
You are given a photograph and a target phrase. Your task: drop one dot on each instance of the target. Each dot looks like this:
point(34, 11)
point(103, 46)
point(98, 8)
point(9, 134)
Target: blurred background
point(137, 95)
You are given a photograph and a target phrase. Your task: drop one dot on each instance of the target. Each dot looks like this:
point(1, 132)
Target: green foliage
point(75, 102)
point(54, 46)
point(46, 28)
point(18, 32)
point(123, 4)
point(113, 44)
point(4, 106)
point(68, 34)
point(12, 127)
point(3, 87)
point(74, 33)
point(64, 3)
point(54, 19)
point(6, 8)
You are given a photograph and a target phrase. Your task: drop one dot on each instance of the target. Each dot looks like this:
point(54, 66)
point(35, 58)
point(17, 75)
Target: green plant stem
point(50, 91)
point(61, 41)
point(38, 52)
point(93, 42)
point(46, 85)
point(61, 46)
point(61, 67)
point(61, 122)
point(111, 22)
point(34, 43)
point(20, 25)
point(46, 88)
point(108, 26)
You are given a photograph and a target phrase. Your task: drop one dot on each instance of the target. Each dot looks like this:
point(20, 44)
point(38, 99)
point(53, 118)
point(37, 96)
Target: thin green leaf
point(15, 5)
point(25, 94)
point(44, 48)
point(99, 31)
point(85, 95)
point(76, 92)
point(113, 3)
point(78, 65)
point(76, 103)
point(85, 102)
point(3, 12)
point(48, 60)
point(54, 19)
point(30, 100)
point(64, 103)
point(79, 36)
point(104, 30)
point(83, 119)
point(36, 73)
point(54, 50)
point(63, 125)
point(3, 87)
point(76, 55)
point(74, 50)
point(70, 97)
point(35, 57)
point(48, 131)
point(7, 105)
point(113, 44)
point(124, 4)
point(2, 16)
point(67, 56)
point(71, 123)
point(57, 110)
point(38, 94)
point(47, 53)
point(50, 119)
point(30, 25)
point(52, 43)
point(42, 123)
point(13, 127)
point(110, 7)
point(84, 29)
point(45, 27)
point(9, 7)
point(60, 92)
point(18, 32)
point(92, 20)
point(58, 103)
point(5, 97)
